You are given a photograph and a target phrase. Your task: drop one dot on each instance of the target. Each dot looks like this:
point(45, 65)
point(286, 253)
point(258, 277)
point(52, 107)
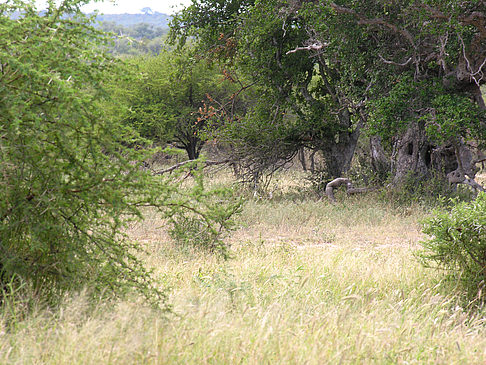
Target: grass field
point(309, 283)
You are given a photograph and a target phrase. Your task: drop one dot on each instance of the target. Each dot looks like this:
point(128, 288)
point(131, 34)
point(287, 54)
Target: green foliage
point(167, 102)
point(445, 115)
point(136, 39)
point(259, 39)
point(428, 192)
point(457, 244)
point(206, 216)
point(337, 66)
point(69, 184)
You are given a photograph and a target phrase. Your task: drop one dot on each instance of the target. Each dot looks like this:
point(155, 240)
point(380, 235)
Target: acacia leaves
point(69, 184)
point(457, 243)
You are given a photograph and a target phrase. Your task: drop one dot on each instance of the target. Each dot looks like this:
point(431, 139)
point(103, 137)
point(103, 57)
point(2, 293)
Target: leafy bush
point(70, 185)
point(207, 215)
point(457, 244)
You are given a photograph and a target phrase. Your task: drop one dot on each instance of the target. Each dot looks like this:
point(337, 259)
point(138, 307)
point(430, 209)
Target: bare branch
point(363, 20)
point(469, 68)
point(180, 164)
point(395, 63)
point(313, 47)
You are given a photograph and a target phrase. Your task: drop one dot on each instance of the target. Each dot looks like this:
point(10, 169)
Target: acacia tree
point(69, 185)
point(165, 103)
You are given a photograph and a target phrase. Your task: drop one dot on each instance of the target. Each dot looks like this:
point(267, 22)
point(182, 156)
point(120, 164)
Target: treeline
point(407, 77)
point(135, 39)
point(147, 16)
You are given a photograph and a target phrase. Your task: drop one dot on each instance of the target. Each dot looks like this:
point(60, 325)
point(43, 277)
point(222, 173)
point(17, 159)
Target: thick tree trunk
point(415, 155)
point(380, 162)
point(338, 154)
point(411, 155)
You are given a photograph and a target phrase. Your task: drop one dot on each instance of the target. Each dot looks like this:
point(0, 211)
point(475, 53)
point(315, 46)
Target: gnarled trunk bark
point(380, 162)
point(416, 155)
point(338, 154)
point(411, 154)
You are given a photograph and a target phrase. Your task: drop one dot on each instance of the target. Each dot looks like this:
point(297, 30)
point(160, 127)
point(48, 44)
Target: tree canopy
point(165, 102)
point(340, 67)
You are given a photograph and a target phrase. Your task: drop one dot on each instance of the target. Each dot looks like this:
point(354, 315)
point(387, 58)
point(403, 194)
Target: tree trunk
point(412, 154)
point(192, 152)
point(415, 155)
point(338, 154)
point(301, 156)
point(380, 162)
point(313, 161)
point(193, 148)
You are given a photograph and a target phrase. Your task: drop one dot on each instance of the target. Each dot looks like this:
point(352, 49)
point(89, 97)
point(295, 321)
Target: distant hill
point(156, 19)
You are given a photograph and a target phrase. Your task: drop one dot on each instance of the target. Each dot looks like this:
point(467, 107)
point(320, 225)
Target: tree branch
point(313, 47)
point(363, 20)
point(180, 164)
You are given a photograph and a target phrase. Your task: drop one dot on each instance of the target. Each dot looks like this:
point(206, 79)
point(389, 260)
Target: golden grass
point(309, 283)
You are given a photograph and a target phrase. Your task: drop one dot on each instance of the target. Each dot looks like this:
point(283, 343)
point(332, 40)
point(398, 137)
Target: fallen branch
point(472, 183)
point(180, 164)
point(350, 189)
point(459, 177)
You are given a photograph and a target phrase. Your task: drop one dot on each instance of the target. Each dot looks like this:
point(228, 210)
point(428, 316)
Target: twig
point(180, 164)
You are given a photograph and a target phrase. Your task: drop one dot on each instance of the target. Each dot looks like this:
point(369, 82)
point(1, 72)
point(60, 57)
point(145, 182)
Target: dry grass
point(309, 283)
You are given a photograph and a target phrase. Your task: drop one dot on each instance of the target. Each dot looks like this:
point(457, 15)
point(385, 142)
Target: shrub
point(70, 184)
point(457, 244)
point(205, 217)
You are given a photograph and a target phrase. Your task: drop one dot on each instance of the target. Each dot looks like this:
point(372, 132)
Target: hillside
point(156, 19)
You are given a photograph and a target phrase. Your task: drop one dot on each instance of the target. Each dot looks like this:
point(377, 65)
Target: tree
point(165, 103)
point(300, 78)
point(69, 185)
point(332, 63)
point(427, 99)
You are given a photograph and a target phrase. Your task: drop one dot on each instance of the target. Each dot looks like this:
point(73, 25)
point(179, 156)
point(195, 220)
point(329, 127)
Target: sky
point(131, 6)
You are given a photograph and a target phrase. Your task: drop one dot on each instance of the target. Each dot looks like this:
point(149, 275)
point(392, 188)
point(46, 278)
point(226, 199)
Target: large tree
point(428, 97)
point(316, 99)
point(412, 69)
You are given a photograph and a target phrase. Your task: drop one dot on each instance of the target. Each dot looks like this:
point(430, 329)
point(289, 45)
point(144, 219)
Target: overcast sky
point(131, 6)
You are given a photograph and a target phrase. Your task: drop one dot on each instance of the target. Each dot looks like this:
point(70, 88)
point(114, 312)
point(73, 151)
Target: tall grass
point(309, 282)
